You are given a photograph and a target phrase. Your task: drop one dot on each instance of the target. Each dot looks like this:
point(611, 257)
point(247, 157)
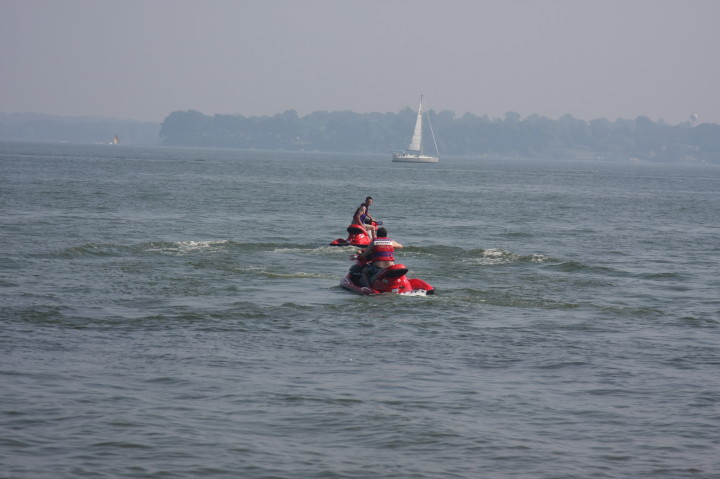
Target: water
point(175, 313)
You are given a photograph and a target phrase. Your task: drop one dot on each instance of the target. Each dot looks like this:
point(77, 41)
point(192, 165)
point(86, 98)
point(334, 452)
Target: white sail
point(416, 143)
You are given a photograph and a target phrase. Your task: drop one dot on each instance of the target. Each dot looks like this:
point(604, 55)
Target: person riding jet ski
point(362, 217)
point(379, 254)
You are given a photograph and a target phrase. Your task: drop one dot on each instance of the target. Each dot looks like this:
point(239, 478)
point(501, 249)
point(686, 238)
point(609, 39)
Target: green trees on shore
point(469, 135)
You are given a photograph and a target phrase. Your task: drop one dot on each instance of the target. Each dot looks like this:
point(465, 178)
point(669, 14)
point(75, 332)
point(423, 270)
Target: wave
point(89, 249)
point(186, 246)
point(577, 267)
point(611, 272)
point(464, 297)
point(315, 250)
point(297, 275)
point(488, 256)
point(496, 256)
point(174, 248)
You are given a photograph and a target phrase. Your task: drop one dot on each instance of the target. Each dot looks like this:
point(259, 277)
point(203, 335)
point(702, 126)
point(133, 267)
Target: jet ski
point(389, 280)
point(357, 236)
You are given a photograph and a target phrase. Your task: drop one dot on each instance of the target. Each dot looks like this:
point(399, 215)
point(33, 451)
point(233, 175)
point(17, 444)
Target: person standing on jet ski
point(379, 254)
point(362, 217)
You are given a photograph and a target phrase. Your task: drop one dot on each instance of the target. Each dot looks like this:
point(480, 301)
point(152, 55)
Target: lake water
point(176, 313)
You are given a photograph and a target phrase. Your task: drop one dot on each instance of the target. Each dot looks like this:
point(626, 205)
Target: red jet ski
point(390, 280)
point(357, 236)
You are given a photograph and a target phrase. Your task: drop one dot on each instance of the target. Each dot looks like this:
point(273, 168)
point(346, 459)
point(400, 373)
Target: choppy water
point(176, 313)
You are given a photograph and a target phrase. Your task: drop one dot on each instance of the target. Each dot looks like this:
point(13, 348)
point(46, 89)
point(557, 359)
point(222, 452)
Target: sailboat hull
point(410, 158)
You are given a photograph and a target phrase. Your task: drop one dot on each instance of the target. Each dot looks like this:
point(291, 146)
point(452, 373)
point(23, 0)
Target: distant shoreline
point(638, 140)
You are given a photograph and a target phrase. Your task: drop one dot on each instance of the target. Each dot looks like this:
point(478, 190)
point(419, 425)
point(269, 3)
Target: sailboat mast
point(432, 133)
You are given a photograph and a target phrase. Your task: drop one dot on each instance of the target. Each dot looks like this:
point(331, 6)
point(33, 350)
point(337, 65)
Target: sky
point(144, 59)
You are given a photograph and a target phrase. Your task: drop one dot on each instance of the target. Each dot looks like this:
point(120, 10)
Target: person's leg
point(356, 273)
point(364, 276)
point(368, 274)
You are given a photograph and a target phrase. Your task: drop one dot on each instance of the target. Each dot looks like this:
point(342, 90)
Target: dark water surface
point(175, 313)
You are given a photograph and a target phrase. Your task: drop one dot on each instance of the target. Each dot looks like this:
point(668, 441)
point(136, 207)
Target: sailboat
point(116, 140)
point(414, 152)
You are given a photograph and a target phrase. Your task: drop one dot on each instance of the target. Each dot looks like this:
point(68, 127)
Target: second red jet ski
point(357, 236)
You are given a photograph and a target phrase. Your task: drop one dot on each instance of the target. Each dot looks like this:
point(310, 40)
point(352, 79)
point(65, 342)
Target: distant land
point(638, 139)
point(33, 127)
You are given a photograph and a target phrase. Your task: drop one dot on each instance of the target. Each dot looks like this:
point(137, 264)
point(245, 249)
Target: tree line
point(533, 137)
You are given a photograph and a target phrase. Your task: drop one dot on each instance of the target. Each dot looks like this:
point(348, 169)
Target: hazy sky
point(143, 59)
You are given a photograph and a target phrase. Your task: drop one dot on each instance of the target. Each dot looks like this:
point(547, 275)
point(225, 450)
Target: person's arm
point(396, 244)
